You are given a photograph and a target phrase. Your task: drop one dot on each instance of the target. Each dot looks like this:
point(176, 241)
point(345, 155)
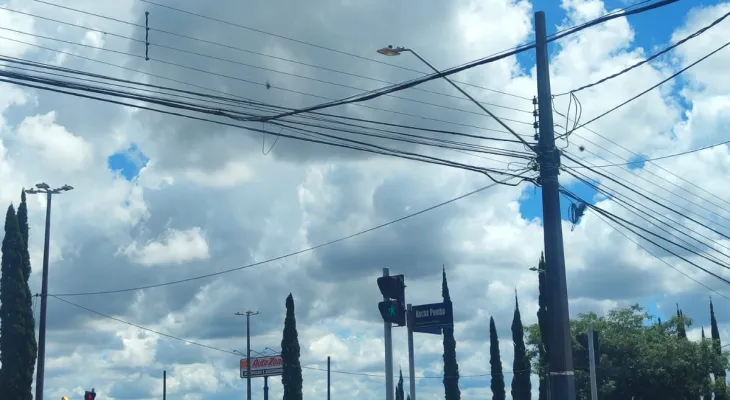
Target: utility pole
point(562, 385)
point(164, 385)
point(388, 351)
point(592, 362)
point(248, 315)
point(411, 356)
point(328, 377)
point(41, 363)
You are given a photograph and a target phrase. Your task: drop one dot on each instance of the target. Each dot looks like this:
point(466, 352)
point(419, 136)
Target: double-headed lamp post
point(41, 363)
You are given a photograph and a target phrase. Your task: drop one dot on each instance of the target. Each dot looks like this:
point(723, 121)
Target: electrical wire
point(229, 47)
point(251, 82)
point(623, 223)
point(651, 58)
point(636, 242)
point(359, 145)
point(194, 343)
point(645, 160)
point(674, 75)
point(649, 198)
point(309, 249)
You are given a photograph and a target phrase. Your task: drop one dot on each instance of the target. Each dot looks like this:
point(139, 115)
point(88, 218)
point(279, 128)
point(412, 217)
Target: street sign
point(429, 330)
point(436, 315)
point(263, 366)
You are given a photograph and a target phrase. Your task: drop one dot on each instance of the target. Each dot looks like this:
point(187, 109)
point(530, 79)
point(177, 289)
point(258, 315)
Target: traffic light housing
point(90, 395)
point(392, 312)
point(393, 288)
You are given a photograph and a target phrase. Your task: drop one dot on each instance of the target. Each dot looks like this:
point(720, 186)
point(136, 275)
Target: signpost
point(430, 318)
point(263, 366)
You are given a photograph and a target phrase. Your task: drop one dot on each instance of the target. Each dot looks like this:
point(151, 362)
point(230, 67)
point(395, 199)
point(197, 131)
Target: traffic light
point(90, 395)
point(392, 312)
point(393, 288)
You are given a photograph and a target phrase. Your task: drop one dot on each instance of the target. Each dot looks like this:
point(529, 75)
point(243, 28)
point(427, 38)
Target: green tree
point(495, 363)
point(720, 374)
point(399, 394)
point(643, 361)
point(291, 377)
point(32, 354)
point(521, 386)
point(16, 346)
point(451, 367)
point(542, 319)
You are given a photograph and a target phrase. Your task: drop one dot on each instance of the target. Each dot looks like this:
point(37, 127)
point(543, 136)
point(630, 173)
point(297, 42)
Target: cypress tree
point(681, 328)
point(399, 394)
point(703, 333)
point(16, 348)
point(451, 367)
point(521, 386)
point(495, 363)
point(291, 377)
point(542, 321)
point(32, 353)
point(720, 374)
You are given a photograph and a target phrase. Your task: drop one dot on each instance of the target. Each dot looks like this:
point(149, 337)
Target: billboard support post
point(266, 388)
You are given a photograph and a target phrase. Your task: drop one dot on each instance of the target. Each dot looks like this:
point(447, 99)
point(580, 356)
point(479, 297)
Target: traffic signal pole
point(387, 326)
point(562, 378)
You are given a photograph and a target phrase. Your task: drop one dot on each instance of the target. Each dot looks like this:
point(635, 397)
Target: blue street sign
point(436, 315)
point(431, 330)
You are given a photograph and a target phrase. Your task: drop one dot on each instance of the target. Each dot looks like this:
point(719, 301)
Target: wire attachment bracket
point(147, 35)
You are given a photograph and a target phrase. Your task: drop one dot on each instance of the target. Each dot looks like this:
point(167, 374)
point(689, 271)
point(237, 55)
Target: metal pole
point(388, 352)
point(411, 356)
point(164, 385)
point(561, 357)
point(266, 388)
point(248, 355)
point(41, 364)
point(592, 363)
point(328, 377)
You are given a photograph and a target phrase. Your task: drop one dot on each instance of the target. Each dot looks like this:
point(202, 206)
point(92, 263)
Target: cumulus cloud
point(209, 200)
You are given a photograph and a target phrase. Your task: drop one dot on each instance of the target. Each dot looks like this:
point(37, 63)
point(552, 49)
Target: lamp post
point(41, 364)
point(248, 315)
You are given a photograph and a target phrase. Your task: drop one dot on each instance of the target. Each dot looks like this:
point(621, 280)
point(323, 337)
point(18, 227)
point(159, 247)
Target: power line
point(369, 147)
point(230, 47)
point(636, 242)
point(314, 45)
point(190, 342)
point(623, 223)
point(289, 254)
point(645, 160)
point(653, 57)
point(227, 60)
point(225, 76)
point(674, 75)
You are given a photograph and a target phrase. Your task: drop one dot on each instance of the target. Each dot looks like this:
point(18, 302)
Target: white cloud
point(175, 247)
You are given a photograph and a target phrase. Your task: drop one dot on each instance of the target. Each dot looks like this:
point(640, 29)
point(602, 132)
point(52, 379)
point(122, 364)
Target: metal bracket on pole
point(389, 393)
point(411, 356)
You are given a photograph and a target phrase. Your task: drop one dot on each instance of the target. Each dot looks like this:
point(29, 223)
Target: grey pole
point(164, 385)
point(266, 388)
point(41, 362)
point(328, 377)
point(592, 363)
point(388, 353)
point(411, 356)
point(248, 315)
point(561, 352)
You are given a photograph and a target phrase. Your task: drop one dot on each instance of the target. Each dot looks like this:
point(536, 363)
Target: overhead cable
point(653, 57)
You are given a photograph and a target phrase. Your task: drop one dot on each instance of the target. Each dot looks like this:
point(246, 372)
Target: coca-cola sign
point(262, 366)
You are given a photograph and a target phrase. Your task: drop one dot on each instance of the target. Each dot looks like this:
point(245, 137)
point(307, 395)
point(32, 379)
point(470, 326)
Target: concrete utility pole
point(592, 362)
point(248, 315)
point(562, 378)
point(41, 363)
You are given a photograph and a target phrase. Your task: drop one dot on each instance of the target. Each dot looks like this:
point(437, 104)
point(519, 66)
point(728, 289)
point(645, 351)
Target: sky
point(161, 199)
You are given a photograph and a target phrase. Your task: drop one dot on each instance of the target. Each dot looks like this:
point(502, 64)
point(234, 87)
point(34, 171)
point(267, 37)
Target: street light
point(535, 269)
point(391, 51)
point(41, 364)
